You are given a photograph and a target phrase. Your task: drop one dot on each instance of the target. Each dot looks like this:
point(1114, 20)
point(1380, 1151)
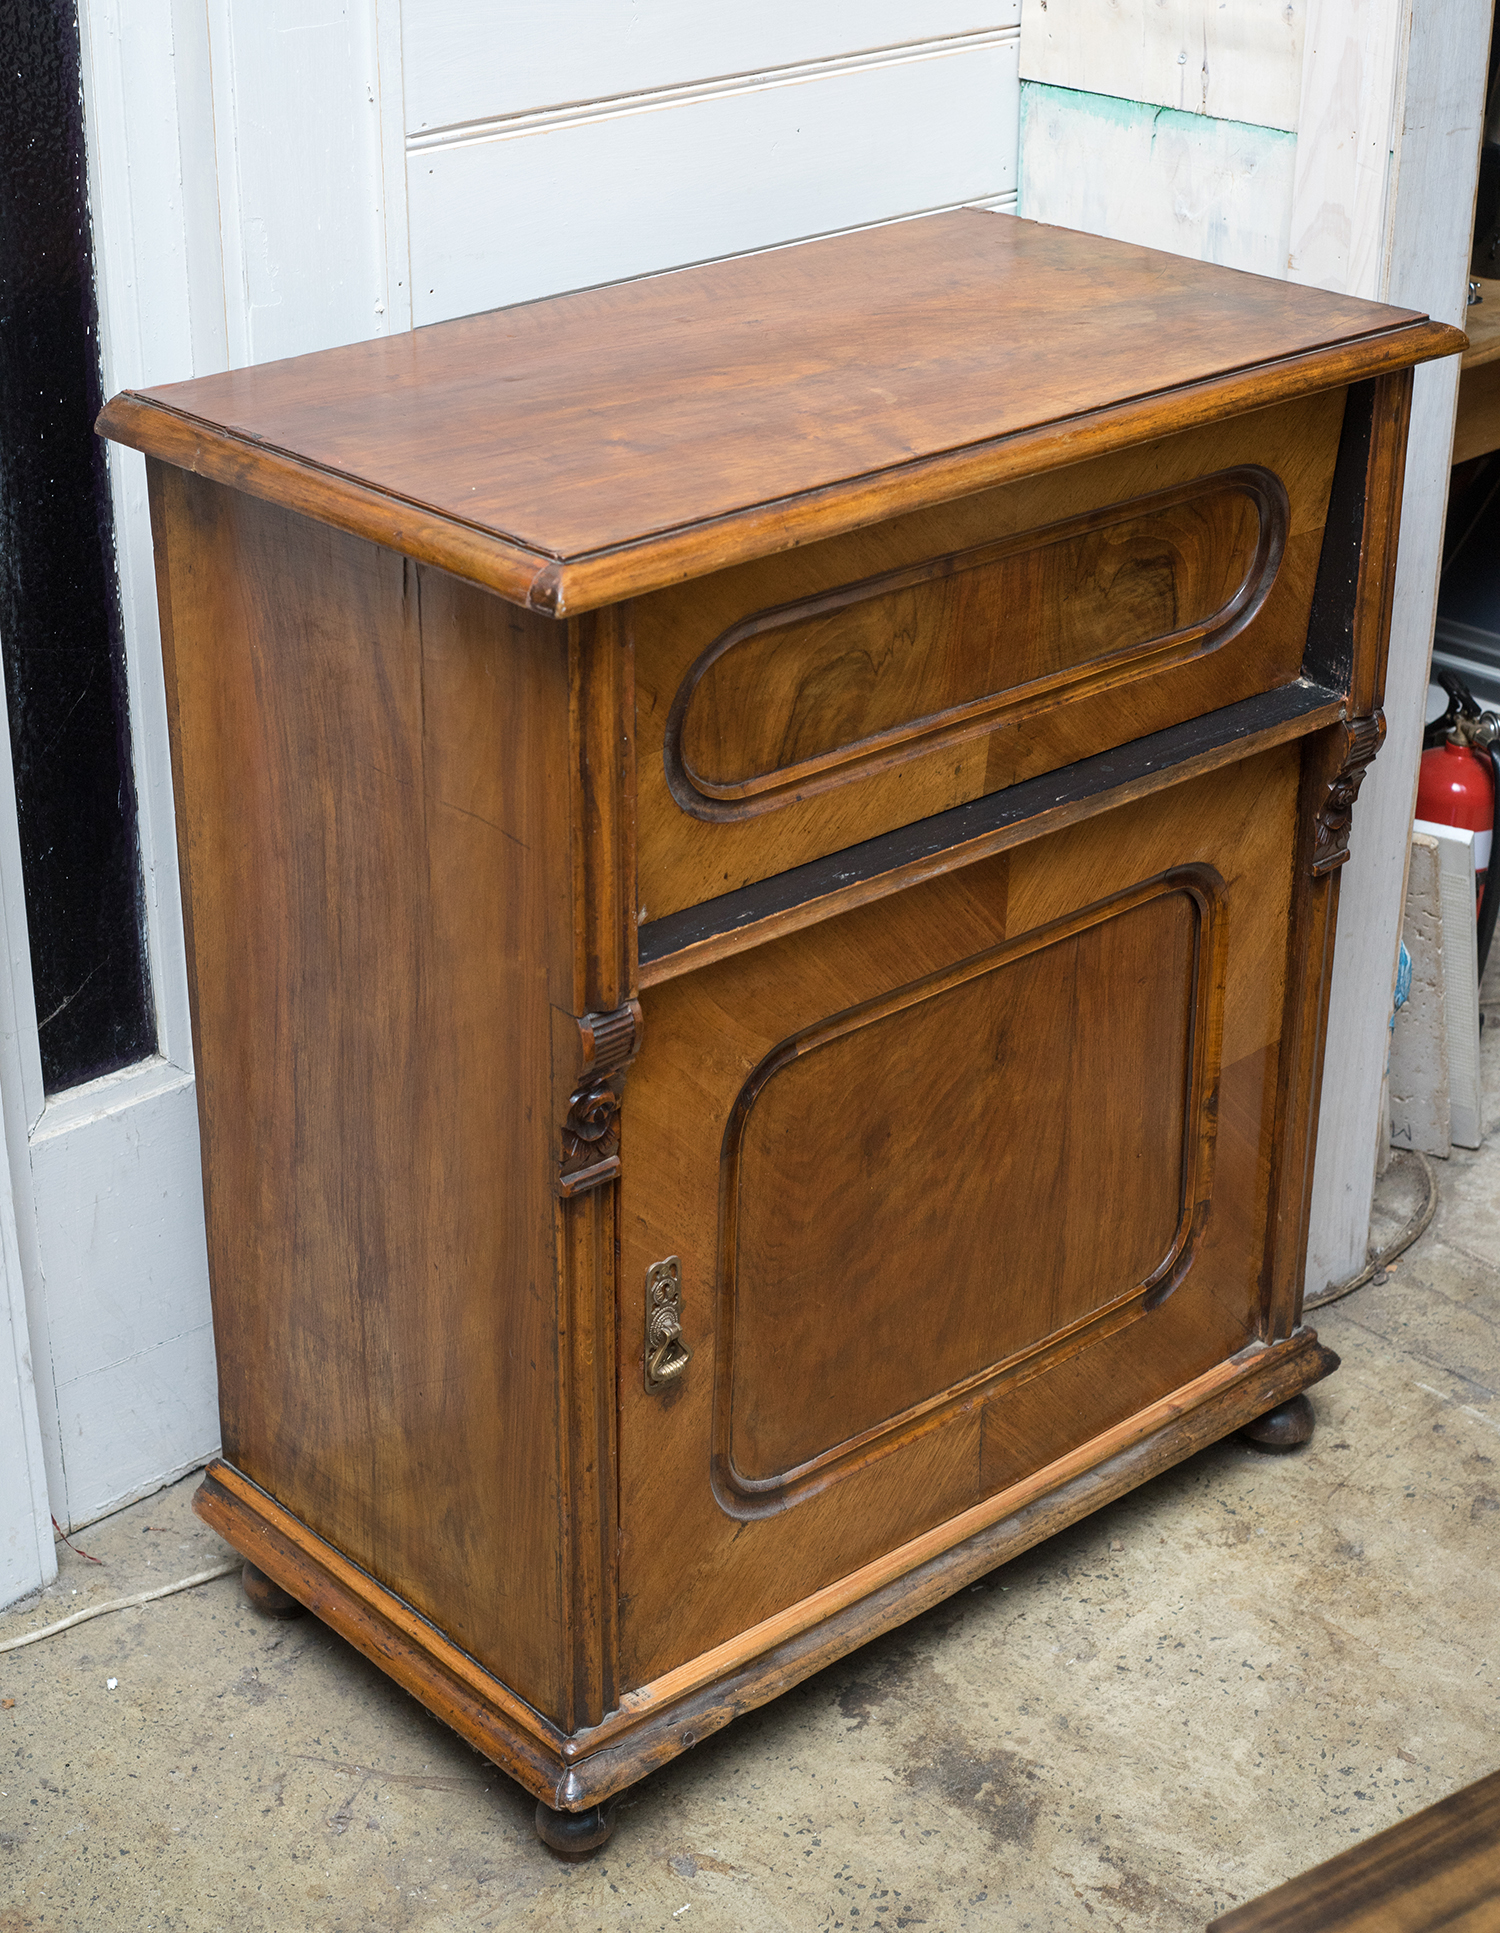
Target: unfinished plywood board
point(1420, 1107)
point(1217, 190)
point(1350, 120)
point(1239, 63)
point(1460, 979)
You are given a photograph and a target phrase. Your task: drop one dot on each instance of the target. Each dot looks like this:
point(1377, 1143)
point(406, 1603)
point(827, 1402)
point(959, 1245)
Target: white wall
point(1166, 122)
point(1193, 184)
point(28, 1557)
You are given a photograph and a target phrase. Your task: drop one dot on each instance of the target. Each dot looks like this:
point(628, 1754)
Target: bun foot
point(574, 1835)
point(1286, 1427)
point(268, 1598)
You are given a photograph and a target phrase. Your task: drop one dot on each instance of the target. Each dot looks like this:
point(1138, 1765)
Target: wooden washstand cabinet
point(760, 850)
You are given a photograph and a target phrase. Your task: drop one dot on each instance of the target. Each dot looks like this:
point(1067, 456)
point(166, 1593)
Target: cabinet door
point(954, 1183)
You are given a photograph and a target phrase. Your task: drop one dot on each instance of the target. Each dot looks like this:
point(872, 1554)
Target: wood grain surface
point(875, 868)
point(1436, 1872)
point(973, 1086)
point(1477, 426)
point(380, 921)
point(664, 426)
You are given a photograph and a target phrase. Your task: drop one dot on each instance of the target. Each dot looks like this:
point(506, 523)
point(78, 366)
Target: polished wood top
point(593, 445)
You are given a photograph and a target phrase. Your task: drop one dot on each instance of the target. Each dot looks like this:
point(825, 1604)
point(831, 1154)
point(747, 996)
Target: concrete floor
point(1210, 1686)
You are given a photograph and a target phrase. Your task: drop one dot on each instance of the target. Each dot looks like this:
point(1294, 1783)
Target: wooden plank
point(393, 313)
point(128, 1260)
point(693, 847)
point(119, 1206)
point(715, 1038)
point(1000, 1527)
point(1217, 191)
point(1456, 888)
point(656, 182)
point(1477, 427)
point(466, 63)
point(1333, 767)
point(947, 383)
point(1240, 63)
point(1477, 424)
point(28, 1556)
point(1481, 323)
point(1438, 1869)
point(297, 140)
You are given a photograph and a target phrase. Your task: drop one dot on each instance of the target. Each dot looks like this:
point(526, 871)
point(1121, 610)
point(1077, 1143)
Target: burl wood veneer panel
point(794, 706)
point(787, 700)
point(924, 1160)
point(922, 1297)
point(376, 884)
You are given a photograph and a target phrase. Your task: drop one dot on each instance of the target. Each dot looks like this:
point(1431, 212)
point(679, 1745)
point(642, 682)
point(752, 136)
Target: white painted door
point(269, 177)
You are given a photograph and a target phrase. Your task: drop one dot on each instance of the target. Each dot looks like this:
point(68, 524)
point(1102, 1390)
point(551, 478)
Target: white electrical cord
point(122, 1604)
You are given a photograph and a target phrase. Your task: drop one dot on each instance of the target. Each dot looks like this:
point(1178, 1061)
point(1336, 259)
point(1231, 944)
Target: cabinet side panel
point(377, 871)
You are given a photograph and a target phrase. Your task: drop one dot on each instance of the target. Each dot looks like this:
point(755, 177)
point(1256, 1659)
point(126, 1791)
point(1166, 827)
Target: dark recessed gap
point(60, 628)
point(1090, 778)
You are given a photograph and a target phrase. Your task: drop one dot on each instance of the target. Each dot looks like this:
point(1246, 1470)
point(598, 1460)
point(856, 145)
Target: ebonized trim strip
point(1090, 779)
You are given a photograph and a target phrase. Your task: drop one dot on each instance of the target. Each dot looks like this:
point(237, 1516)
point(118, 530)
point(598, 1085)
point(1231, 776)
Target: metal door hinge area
point(667, 1355)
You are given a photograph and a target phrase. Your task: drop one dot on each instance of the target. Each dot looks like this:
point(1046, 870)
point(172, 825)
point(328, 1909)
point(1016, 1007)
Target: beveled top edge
point(562, 584)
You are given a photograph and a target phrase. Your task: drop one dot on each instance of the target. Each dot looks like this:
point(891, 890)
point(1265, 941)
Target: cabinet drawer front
point(794, 701)
point(796, 706)
point(953, 1182)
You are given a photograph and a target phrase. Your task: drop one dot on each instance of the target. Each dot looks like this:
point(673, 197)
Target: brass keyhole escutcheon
point(667, 1355)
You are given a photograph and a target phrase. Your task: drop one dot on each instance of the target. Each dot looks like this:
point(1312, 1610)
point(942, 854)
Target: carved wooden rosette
point(1362, 740)
point(591, 1131)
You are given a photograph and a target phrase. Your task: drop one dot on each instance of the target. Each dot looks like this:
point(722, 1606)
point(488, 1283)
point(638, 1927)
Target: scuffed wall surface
point(1220, 191)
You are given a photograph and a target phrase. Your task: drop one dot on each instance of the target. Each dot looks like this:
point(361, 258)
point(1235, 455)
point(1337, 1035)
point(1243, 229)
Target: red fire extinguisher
point(1457, 786)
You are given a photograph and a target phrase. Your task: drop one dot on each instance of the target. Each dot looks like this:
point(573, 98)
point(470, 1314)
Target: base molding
point(658, 1722)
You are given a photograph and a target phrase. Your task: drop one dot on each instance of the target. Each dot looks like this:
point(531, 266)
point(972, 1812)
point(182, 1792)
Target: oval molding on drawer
point(793, 700)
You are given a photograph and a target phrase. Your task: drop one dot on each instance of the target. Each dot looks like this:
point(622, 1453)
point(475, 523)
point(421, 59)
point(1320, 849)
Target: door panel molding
point(816, 1307)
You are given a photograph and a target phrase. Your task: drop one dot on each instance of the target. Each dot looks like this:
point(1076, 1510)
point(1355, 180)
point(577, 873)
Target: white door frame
point(28, 1555)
